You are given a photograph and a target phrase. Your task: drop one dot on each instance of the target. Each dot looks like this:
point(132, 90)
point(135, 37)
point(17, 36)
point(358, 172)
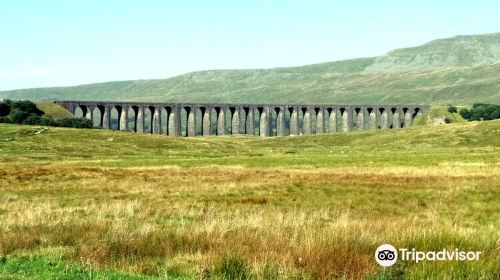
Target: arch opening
point(80, 111)
point(114, 118)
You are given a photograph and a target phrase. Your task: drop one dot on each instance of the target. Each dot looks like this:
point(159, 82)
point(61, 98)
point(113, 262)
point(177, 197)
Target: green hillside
point(458, 70)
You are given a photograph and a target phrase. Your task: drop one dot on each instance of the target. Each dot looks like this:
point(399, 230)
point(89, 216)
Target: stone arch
point(220, 120)
point(264, 120)
point(96, 117)
point(122, 116)
point(234, 118)
point(359, 121)
point(147, 117)
point(114, 117)
point(213, 121)
point(384, 118)
point(417, 112)
point(80, 111)
point(84, 111)
point(294, 121)
point(172, 120)
point(138, 118)
point(205, 120)
point(372, 118)
point(395, 118)
point(319, 120)
point(152, 119)
point(188, 121)
point(306, 120)
point(331, 119)
point(344, 115)
point(248, 120)
point(103, 116)
point(279, 121)
point(131, 118)
point(164, 115)
point(287, 119)
point(407, 117)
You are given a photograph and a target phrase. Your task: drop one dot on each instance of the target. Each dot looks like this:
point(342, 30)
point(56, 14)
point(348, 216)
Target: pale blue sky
point(59, 43)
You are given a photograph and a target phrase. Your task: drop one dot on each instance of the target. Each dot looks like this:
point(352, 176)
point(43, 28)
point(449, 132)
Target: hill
point(458, 70)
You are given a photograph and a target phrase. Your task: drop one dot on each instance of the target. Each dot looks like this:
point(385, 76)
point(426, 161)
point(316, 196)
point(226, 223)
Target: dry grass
point(323, 223)
point(269, 222)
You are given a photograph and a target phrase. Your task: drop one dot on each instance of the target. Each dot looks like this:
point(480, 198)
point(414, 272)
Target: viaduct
point(186, 119)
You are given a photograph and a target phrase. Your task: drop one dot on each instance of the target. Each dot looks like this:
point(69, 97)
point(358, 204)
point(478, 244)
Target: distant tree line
point(481, 111)
point(26, 112)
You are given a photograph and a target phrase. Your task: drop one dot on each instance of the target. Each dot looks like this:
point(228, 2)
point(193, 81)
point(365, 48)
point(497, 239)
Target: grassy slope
point(54, 111)
point(437, 113)
point(459, 70)
point(299, 205)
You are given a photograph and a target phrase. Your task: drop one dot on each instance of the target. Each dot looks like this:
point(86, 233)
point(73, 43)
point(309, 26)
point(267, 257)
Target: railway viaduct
point(185, 119)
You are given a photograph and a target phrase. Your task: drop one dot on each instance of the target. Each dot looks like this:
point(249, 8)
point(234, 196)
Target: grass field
point(101, 204)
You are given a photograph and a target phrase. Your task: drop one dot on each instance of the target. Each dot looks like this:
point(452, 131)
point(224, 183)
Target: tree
point(32, 119)
point(26, 106)
point(465, 113)
point(452, 109)
point(4, 109)
point(495, 114)
point(18, 116)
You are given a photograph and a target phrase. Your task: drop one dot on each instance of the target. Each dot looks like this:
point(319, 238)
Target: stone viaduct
point(185, 119)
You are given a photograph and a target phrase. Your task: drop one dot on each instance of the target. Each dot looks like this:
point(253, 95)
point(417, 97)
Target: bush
point(26, 106)
point(481, 111)
point(32, 119)
point(18, 116)
point(5, 120)
point(48, 121)
point(495, 114)
point(452, 109)
point(20, 111)
point(76, 123)
point(465, 113)
point(4, 109)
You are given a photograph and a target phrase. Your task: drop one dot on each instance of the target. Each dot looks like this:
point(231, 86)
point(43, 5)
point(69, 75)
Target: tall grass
point(248, 208)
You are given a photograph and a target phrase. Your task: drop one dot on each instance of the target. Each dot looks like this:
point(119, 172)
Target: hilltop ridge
point(459, 70)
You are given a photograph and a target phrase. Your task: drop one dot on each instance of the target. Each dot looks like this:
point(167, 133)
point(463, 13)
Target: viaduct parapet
point(186, 119)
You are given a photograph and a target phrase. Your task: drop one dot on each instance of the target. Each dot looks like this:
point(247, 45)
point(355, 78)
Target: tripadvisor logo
point(386, 255)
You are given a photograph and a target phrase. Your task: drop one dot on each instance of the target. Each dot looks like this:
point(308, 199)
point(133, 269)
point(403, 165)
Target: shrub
point(4, 109)
point(495, 114)
point(18, 116)
point(5, 120)
point(48, 121)
point(481, 111)
point(32, 119)
point(452, 109)
point(26, 106)
point(465, 113)
point(19, 111)
point(76, 123)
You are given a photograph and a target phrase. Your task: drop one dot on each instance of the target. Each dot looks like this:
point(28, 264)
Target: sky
point(62, 43)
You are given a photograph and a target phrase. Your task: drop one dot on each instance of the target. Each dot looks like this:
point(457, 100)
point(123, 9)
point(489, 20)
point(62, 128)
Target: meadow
point(111, 205)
